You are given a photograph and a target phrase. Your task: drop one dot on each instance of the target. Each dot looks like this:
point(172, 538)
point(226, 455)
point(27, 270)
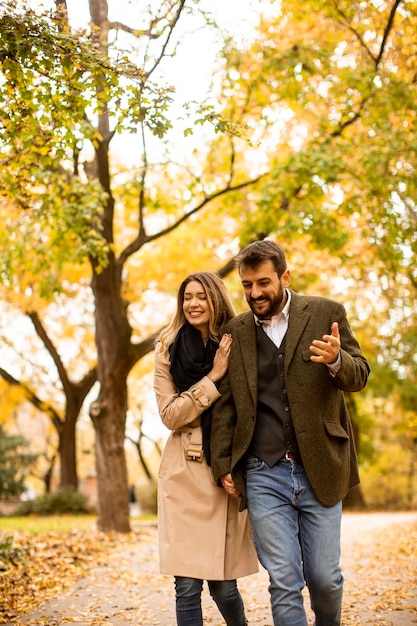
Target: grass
point(34, 524)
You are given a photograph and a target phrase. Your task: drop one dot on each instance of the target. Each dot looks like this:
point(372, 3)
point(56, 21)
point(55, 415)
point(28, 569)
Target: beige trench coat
point(201, 532)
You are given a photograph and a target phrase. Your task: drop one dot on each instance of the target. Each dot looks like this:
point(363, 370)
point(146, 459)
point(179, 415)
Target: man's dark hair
point(257, 252)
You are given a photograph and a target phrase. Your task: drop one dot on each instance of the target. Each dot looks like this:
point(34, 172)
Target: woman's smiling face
point(196, 308)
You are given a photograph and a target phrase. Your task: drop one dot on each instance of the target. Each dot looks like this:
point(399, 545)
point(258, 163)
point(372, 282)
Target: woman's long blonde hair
point(220, 307)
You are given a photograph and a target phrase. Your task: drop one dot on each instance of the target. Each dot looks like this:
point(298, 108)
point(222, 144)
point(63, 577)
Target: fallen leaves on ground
point(381, 578)
point(121, 583)
point(380, 569)
point(35, 568)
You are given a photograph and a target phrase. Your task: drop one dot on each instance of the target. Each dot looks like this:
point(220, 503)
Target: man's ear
point(286, 278)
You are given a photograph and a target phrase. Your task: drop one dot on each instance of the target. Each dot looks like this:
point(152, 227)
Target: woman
point(202, 535)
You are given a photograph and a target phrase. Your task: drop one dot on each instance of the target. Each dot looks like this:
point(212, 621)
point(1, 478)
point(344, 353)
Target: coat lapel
point(298, 319)
point(246, 337)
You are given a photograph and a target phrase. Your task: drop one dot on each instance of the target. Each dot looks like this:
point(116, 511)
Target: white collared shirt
point(277, 326)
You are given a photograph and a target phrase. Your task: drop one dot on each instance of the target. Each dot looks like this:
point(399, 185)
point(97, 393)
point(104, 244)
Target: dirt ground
point(379, 561)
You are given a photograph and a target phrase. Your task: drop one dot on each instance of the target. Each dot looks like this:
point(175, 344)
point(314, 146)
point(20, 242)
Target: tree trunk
point(75, 394)
point(113, 493)
point(47, 477)
point(108, 412)
point(113, 335)
point(67, 452)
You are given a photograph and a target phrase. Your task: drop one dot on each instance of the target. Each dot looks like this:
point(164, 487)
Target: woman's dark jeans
point(224, 593)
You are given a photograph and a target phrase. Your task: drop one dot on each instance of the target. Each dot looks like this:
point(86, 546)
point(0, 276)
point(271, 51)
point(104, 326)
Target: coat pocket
point(334, 429)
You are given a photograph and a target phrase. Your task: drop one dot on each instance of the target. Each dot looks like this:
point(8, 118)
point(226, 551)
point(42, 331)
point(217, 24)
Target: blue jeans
point(224, 593)
point(297, 540)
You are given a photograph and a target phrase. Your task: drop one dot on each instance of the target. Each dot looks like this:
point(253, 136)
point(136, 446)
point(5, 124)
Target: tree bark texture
point(67, 452)
point(113, 339)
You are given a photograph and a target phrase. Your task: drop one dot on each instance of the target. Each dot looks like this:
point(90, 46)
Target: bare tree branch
point(375, 59)
point(346, 123)
point(73, 391)
point(47, 342)
point(142, 459)
point(142, 238)
point(136, 32)
point(31, 397)
point(387, 30)
point(171, 28)
point(142, 185)
point(353, 30)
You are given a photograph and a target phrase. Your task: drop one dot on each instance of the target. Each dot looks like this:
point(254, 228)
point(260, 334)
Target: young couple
point(259, 431)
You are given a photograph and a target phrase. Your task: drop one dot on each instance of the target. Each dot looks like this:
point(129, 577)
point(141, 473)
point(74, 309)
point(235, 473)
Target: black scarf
point(190, 361)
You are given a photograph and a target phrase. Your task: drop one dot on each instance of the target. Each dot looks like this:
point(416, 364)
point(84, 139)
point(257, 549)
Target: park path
point(379, 560)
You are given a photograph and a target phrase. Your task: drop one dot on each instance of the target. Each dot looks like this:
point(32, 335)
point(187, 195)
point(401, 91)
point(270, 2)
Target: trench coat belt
point(194, 450)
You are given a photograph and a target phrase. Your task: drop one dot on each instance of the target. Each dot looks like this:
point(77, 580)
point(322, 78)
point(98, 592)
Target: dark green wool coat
point(321, 420)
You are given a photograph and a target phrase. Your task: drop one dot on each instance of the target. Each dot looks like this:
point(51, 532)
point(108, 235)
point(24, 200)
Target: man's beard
point(269, 306)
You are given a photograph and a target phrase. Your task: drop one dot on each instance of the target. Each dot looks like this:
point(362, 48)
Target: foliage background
point(115, 187)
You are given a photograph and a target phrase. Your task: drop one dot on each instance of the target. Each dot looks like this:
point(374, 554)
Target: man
point(282, 438)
